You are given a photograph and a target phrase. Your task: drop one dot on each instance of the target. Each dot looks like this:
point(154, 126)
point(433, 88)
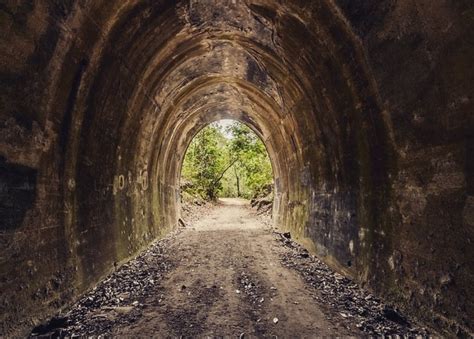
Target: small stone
point(445, 279)
point(275, 320)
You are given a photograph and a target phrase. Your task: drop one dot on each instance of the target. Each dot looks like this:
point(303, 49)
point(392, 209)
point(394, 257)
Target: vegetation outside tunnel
point(226, 159)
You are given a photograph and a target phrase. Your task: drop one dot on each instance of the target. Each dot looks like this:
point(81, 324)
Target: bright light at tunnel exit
point(227, 159)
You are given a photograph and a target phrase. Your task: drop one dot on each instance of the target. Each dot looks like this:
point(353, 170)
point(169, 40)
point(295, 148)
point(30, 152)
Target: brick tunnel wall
point(365, 108)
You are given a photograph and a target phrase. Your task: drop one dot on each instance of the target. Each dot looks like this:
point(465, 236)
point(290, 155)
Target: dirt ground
point(227, 273)
point(205, 295)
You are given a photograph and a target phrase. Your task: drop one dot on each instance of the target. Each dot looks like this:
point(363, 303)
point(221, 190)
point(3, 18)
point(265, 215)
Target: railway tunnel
point(365, 108)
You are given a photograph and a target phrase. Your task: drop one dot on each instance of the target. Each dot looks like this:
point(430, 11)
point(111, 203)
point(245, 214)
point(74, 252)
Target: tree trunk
point(238, 182)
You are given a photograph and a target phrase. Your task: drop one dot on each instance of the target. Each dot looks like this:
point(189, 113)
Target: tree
point(232, 162)
point(253, 170)
point(204, 162)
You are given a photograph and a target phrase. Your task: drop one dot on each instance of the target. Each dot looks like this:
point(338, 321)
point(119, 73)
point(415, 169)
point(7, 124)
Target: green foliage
point(226, 161)
point(253, 171)
point(204, 162)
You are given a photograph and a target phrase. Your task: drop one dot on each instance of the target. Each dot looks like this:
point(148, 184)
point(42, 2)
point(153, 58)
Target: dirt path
point(229, 280)
point(228, 274)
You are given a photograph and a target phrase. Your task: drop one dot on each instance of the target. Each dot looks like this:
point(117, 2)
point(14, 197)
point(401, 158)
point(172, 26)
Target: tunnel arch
point(298, 102)
point(155, 68)
point(111, 90)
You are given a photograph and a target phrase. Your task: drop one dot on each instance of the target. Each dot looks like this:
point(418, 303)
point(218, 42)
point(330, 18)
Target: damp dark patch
point(62, 8)
point(18, 12)
point(255, 74)
point(66, 124)
point(23, 120)
point(334, 233)
point(45, 48)
point(365, 15)
point(17, 193)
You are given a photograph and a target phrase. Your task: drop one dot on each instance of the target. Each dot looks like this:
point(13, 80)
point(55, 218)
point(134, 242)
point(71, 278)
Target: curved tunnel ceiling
point(292, 71)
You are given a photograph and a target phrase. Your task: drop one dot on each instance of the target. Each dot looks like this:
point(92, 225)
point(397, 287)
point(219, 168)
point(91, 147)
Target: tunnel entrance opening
point(227, 162)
